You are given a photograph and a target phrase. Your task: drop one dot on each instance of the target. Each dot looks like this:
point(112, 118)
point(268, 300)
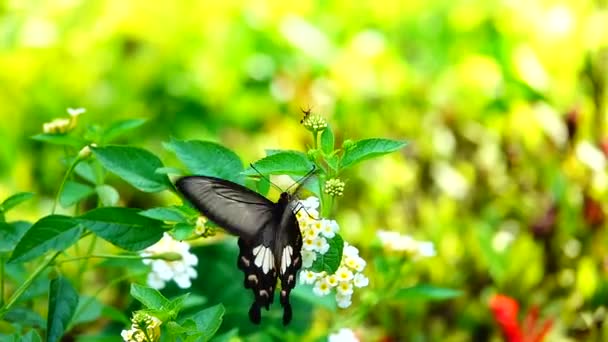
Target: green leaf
point(369, 148)
point(63, 300)
point(25, 316)
point(207, 159)
point(85, 170)
point(60, 139)
point(228, 336)
point(281, 163)
point(123, 227)
point(330, 261)
point(11, 233)
point(149, 297)
point(208, 321)
point(182, 231)
point(15, 200)
point(170, 171)
point(135, 165)
point(31, 336)
point(108, 195)
point(169, 214)
point(89, 309)
point(55, 232)
point(427, 292)
point(73, 192)
point(327, 141)
point(119, 128)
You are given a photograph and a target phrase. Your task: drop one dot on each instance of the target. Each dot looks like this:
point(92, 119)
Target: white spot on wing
point(286, 258)
point(263, 258)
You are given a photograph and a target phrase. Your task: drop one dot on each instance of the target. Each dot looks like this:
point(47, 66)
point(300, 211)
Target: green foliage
point(330, 261)
point(63, 301)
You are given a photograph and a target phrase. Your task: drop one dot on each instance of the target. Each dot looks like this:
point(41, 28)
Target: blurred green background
point(503, 103)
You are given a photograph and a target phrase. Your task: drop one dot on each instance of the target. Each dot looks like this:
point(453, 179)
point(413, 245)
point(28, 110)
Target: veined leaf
point(73, 192)
point(149, 297)
point(282, 163)
point(123, 227)
point(63, 300)
point(55, 232)
point(135, 165)
point(15, 200)
point(206, 158)
point(119, 128)
point(369, 148)
point(327, 141)
point(330, 261)
point(60, 139)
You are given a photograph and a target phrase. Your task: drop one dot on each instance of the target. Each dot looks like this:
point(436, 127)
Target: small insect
point(270, 241)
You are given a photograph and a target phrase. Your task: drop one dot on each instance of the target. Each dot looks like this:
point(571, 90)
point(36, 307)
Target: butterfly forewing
point(232, 206)
point(270, 241)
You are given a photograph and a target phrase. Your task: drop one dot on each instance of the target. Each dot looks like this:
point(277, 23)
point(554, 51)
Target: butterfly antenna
point(303, 179)
point(266, 178)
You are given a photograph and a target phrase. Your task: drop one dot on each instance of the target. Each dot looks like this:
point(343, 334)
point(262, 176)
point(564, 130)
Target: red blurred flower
point(506, 309)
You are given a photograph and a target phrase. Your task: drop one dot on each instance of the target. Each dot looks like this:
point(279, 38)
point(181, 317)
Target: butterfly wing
point(257, 261)
point(233, 207)
point(288, 246)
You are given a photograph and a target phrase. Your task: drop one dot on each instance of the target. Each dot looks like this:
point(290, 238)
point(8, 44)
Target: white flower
point(321, 245)
point(396, 242)
point(343, 301)
point(57, 126)
point(355, 263)
point(76, 111)
point(308, 244)
point(360, 280)
point(308, 277)
point(344, 274)
point(329, 228)
point(343, 335)
point(332, 280)
point(308, 257)
point(322, 287)
point(311, 203)
point(345, 288)
point(181, 271)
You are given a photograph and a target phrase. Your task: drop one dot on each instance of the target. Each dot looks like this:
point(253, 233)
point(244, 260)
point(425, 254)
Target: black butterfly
point(269, 235)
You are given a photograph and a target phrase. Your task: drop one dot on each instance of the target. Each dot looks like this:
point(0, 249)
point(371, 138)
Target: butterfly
point(269, 241)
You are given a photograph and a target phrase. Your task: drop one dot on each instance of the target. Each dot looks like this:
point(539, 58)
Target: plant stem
point(65, 178)
point(105, 256)
point(83, 265)
point(19, 292)
point(1, 281)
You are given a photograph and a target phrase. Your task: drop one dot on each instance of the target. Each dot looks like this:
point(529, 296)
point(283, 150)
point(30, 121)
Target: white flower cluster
point(396, 242)
point(62, 125)
point(343, 335)
point(181, 271)
point(145, 328)
point(315, 232)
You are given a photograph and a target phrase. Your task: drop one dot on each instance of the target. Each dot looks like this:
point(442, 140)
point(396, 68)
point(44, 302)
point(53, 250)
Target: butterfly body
point(269, 236)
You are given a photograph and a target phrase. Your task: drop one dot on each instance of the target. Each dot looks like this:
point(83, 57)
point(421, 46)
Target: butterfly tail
point(255, 315)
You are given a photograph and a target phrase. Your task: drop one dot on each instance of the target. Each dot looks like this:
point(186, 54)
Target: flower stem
point(19, 292)
point(65, 178)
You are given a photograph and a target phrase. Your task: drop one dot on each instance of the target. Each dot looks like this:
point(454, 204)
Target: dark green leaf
point(135, 165)
point(15, 200)
point(55, 232)
point(24, 316)
point(170, 171)
point(428, 292)
point(207, 159)
point(63, 301)
point(89, 309)
point(327, 141)
point(170, 214)
point(174, 329)
point(369, 148)
point(108, 195)
point(73, 192)
point(123, 227)
point(330, 261)
point(150, 298)
point(11, 233)
point(60, 139)
point(115, 315)
point(281, 163)
point(119, 128)
point(208, 321)
point(31, 336)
